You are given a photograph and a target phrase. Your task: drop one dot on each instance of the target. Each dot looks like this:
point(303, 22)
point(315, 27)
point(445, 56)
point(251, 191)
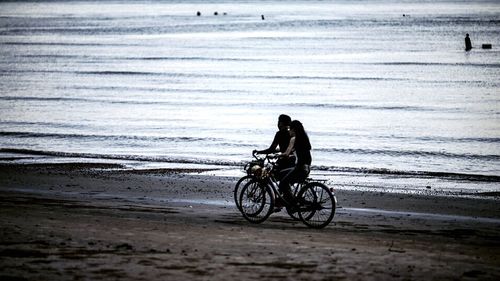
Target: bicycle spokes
point(256, 202)
point(318, 205)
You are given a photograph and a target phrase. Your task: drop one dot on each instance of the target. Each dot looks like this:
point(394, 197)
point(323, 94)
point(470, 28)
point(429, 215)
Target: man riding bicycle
point(281, 140)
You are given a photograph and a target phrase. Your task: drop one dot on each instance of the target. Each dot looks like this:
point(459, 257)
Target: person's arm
point(290, 147)
point(271, 148)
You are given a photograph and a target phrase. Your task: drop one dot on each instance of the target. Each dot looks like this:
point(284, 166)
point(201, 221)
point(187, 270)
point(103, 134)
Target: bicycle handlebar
point(267, 155)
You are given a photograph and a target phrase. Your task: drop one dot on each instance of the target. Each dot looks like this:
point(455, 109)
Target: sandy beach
point(96, 222)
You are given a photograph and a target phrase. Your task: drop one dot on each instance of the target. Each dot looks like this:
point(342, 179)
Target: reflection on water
point(155, 84)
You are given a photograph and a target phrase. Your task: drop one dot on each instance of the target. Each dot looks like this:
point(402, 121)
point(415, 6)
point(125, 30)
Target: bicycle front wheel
point(317, 205)
point(256, 202)
point(238, 187)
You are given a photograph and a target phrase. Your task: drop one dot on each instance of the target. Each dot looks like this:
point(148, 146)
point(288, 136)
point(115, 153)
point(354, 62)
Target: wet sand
point(92, 222)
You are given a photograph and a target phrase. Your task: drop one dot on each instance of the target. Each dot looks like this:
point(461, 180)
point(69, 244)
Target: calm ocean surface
point(380, 86)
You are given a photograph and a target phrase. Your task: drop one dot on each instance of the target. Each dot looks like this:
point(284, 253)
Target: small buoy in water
point(428, 187)
point(262, 17)
point(486, 46)
point(198, 13)
point(216, 14)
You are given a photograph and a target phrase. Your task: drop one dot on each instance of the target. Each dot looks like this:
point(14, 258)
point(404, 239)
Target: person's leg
point(284, 186)
point(301, 175)
point(283, 167)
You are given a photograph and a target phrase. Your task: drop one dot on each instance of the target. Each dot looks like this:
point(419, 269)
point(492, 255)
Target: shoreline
point(14, 156)
point(68, 222)
point(359, 188)
point(378, 180)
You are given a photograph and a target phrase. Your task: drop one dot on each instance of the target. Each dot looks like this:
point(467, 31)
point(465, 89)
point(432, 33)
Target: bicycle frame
point(270, 180)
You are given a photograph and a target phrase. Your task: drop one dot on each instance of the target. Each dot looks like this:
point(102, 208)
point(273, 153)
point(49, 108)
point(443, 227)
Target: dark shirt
point(303, 153)
point(281, 139)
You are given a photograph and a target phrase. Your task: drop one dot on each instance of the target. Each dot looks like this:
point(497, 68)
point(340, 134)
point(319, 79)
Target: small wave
point(479, 83)
point(443, 139)
point(56, 56)
point(118, 58)
point(482, 65)
point(93, 100)
point(117, 73)
point(152, 89)
point(208, 75)
point(216, 103)
point(107, 137)
point(160, 159)
point(43, 124)
point(228, 76)
point(356, 106)
point(457, 21)
point(42, 98)
point(398, 153)
point(382, 171)
point(430, 138)
point(129, 139)
point(283, 77)
point(116, 101)
point(348, 78)
point(187, 58)
point(66, 44)
point(464, 140)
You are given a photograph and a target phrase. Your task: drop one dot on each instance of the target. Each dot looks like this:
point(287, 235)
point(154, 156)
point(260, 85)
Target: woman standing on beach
point(301, 147)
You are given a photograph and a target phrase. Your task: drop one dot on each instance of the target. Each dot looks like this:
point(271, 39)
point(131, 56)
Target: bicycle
point(257, 198)
point(258, 162)
point(250, 168)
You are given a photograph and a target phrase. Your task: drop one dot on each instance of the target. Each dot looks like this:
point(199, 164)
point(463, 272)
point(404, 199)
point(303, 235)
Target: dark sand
point(90, 222)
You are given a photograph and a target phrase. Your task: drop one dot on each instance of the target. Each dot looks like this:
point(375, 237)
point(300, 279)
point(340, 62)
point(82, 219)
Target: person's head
point(467, 35)
point(296, 128)
point(297, 131)
point(284, 121)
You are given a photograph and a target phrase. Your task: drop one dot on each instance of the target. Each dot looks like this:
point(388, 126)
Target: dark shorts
point(296, 174)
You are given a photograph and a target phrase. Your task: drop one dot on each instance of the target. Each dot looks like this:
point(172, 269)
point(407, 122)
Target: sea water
point(380, 86)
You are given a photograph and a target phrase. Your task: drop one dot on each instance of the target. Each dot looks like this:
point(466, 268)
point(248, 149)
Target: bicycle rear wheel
point(256, 202)
point(238, 187)
point(317, 205)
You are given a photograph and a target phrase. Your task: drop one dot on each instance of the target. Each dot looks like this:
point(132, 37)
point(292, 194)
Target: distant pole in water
point(262, 17)
point(468, 44)
point(198, 13)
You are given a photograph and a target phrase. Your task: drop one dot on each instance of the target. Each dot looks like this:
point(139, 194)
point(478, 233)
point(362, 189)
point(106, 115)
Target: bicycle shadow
point(277, 221)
